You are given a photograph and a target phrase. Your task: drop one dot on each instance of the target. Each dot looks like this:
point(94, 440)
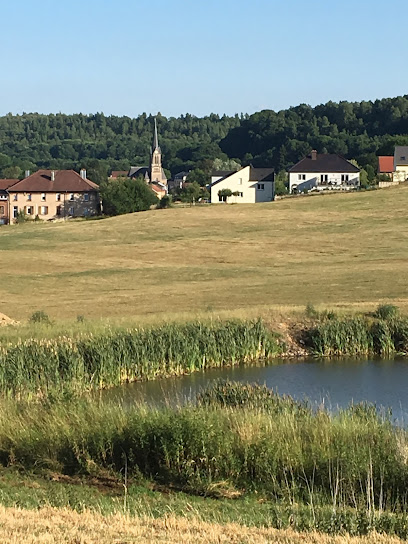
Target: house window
point(344, 177)
point(240, 181)
point(1, 210)
point(29, 197)
point(15, 197)
point(58, 210)
point(71, 211)
point(241, 194)
point(58, 197)
point(86, 197)
point(43, 197)
point(261, 186)
point(71, 196)
point(86, 212)
point(15, 211)
point(324, 178)
point(43, 210)
point(301, 177)
point(29, 210)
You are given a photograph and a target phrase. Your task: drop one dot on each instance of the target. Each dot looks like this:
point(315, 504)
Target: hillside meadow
point(341, 251)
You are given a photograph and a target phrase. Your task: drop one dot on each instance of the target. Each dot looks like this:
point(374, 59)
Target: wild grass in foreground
point(334, 472)
point(76, 364)
point(65, 526)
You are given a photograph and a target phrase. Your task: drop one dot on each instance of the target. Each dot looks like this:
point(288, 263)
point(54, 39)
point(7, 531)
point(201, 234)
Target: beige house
point(400, 163)
point(248, 185)
point(54, 194)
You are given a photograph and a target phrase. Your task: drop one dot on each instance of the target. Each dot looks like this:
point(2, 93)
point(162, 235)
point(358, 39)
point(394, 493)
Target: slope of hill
point(339, 250)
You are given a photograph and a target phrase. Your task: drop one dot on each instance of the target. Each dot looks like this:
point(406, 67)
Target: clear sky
point(126, 57)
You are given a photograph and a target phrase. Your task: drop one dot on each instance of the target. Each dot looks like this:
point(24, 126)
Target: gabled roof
point(385, 164)
point(222, 173)
point(136, 171)
point(157, 187)
point(324, 163)
point(6, 183)
point(261, 174)
point(401, 155)
point(65, 180)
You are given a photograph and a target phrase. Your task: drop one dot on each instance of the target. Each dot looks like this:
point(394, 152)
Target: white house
point(248, 185)
point(323, 171)
point(401, 163)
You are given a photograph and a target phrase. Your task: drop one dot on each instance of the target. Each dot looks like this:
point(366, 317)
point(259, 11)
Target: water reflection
point(336, 383)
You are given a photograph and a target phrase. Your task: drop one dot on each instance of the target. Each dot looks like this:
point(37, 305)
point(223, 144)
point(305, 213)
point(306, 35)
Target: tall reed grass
point(76, 364)
point(359, 336)
point(276, 447)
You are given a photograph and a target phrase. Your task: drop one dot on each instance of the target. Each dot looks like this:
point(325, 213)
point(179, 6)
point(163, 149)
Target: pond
point(336, 383)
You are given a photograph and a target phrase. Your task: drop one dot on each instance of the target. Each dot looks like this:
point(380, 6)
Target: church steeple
point(156, 170)
point(155, 137)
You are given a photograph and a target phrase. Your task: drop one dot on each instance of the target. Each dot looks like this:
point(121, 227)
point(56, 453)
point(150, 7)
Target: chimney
point(27, 173)
point(83, 173)
point(314, 154)
point(52, 175)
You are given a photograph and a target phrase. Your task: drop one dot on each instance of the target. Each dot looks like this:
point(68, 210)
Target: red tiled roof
point(65, 180)
point(156, 188)
point(6, 183)
point(119, 173)
point(385, 165)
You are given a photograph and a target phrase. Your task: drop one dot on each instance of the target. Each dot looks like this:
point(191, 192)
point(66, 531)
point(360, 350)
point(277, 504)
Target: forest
point(100, 143)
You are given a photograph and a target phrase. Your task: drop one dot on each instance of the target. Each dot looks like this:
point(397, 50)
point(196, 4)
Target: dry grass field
point(63, 526)
point(337, 251)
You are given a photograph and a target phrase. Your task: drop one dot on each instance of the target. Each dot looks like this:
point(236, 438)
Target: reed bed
point(77, 364)
point(358, 336)
point(278, 448)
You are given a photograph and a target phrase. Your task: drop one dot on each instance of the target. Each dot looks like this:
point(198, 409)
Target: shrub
point(386, 311)
point(165, 202)
point(40, 317)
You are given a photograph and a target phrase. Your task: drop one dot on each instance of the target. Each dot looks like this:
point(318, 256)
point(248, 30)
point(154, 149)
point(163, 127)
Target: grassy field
point(340, 250)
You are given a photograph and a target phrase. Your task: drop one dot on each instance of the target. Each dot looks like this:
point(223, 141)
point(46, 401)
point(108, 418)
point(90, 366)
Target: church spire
point(155, 137)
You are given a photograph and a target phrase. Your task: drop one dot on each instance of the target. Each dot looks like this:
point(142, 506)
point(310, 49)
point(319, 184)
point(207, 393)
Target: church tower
point(157, 174)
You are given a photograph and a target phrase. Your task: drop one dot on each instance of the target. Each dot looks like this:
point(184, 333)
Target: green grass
point(340, 251)
point(241, 454)
point(72, 365)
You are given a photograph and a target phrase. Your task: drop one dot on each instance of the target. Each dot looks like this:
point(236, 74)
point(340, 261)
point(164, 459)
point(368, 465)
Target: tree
point(126, 195)
point(191, 192)
point(12, 172)
point(224, 194)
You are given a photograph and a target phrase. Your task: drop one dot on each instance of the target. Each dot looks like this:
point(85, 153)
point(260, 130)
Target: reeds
point(88, 361)
point(359, 336)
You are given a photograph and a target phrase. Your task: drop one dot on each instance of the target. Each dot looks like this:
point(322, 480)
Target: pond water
point(336, 383)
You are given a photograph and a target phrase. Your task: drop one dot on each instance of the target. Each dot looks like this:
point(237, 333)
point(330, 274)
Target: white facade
point(246, 191)
point(317, 181)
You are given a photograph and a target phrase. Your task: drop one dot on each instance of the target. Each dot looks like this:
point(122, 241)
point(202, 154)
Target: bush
point(386, 311)
point(40, 317)
point(165, 202)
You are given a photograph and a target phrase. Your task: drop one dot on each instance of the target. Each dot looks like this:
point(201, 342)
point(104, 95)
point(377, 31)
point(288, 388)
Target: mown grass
point(335, 472)
point(343, 250)
point(42, 367)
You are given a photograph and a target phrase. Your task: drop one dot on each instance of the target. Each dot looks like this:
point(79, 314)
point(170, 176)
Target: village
point(65, 194)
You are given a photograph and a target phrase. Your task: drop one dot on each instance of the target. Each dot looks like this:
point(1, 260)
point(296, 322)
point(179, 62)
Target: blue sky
point(125, 57)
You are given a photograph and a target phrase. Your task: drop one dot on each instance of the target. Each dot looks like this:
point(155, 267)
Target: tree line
point(356, 130)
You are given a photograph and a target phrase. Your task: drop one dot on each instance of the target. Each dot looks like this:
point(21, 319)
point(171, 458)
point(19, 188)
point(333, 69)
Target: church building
point(154, 174)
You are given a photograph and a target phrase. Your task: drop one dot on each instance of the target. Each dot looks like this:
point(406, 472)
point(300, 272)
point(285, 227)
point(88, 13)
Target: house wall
point(401, 173)
point(4, 206)
point(312, 180)
point(240, 182)
point(33, 204)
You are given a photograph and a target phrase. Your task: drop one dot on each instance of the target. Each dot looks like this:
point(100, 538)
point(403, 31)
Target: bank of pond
point(86, 361)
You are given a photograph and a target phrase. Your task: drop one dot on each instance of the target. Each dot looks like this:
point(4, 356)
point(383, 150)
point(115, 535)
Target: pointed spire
point(155, 138)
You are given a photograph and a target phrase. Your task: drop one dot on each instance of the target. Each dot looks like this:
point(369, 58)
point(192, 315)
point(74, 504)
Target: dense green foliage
point(358, 336)
point(126, 195)
point(89, 361)
point(282, 450)
point(358, 130)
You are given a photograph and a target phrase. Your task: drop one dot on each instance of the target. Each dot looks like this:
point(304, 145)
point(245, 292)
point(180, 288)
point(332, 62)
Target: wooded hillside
point(358, 130)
